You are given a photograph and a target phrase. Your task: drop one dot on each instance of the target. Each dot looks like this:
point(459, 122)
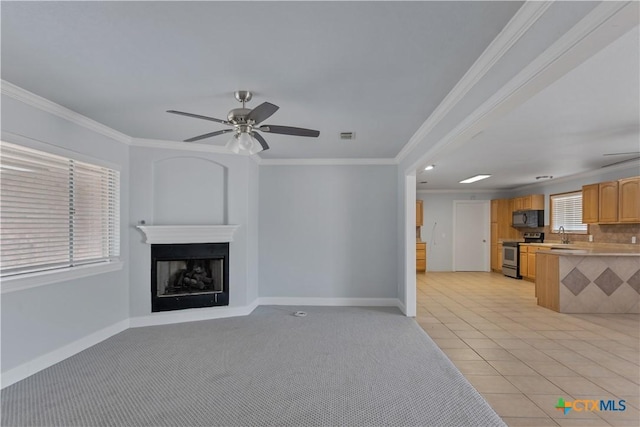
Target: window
point(566, 211)
point(56, 212)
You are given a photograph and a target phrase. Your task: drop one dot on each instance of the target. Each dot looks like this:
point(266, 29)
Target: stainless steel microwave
point(528, 219)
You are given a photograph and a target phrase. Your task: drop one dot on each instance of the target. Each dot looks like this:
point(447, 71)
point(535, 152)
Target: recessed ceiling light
point(428, 168)
point(474, 179)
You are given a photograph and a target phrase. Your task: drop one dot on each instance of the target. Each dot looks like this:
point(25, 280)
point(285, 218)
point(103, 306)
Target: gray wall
point(39, 320)
point(437, 229)
point(193, 188)
point(328, 231)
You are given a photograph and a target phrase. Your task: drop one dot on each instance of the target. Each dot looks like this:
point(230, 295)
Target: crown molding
point(326, 162)
point(568, 51)
point(43, 104)
point(519, 24)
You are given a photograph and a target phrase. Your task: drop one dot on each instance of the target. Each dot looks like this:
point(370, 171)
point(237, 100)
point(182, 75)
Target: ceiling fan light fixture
point(243, 143)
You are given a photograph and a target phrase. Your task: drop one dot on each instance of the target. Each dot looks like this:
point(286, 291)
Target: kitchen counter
point(585, 249)
point(604, 279)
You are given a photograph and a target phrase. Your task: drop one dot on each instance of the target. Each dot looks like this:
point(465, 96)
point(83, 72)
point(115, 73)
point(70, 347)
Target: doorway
point(471, 231)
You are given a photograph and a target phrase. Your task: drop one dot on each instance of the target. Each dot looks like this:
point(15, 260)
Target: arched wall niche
point(189, 191)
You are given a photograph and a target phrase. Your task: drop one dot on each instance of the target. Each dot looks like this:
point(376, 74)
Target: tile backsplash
point(602, 233)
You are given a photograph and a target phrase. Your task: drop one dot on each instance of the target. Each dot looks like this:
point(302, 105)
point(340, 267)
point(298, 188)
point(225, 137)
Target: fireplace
point(192, 275)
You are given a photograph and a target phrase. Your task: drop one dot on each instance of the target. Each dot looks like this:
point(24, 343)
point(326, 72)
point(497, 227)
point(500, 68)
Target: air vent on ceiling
point(347, 135)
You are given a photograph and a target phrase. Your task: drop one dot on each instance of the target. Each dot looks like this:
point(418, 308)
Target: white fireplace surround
point(163, 234)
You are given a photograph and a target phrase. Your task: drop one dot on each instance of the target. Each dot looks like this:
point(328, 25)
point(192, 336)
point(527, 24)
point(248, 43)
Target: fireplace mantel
point(163, 234)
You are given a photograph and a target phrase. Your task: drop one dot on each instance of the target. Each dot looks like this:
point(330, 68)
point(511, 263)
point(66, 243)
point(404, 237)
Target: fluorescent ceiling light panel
point(474, 179)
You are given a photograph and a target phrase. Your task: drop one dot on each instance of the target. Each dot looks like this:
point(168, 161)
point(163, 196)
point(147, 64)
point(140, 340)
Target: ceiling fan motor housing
point(238, 115)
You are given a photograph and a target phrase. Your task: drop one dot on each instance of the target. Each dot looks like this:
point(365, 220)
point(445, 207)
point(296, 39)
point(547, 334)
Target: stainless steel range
point(511, 254)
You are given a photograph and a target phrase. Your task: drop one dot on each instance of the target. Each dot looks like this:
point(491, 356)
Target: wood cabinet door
point(499, 256)
point(494, 257)
point(517, 203)
point(523, 264)
point(608, 202)
point(590, 197)
point(537, 201)
point(629, 199)
point(526, 202)
point(419, 213)
point(531, 264)
point(494, 210)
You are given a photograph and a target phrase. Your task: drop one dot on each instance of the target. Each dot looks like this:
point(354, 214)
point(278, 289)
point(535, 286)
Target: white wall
point(328, 231)
point(207, 188)
point(40, 320)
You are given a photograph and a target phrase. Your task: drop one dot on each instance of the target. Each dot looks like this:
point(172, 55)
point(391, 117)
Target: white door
point(471, 230)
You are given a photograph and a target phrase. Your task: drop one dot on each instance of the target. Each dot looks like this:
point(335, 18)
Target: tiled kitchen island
point(588, 281)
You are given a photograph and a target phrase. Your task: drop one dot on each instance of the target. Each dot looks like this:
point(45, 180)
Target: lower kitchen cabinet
point(421, 256)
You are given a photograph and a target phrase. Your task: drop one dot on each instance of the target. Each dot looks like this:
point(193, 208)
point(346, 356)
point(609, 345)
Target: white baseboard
point(39, 363)
point(191, 315)
point(356, 302)
point(401, 306)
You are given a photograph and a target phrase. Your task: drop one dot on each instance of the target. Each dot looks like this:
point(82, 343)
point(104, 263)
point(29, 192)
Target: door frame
point(486, 231)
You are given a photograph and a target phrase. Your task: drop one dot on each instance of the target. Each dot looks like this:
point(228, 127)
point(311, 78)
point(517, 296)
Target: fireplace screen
point(189, 276)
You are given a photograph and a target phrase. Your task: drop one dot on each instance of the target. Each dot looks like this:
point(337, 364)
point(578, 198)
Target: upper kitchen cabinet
point(608, 202)
point(419, 213)
point(612, 202)
point(530, 202)
point(629, 199)
point(590, 205)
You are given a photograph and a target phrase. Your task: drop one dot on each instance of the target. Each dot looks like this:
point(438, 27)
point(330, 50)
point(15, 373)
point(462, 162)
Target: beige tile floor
point(522, 357)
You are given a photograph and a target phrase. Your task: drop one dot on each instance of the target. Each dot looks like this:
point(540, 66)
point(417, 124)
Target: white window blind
point(55, 212)
point(566, 211)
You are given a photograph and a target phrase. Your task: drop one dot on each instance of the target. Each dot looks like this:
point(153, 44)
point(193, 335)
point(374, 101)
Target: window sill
point(41, 278)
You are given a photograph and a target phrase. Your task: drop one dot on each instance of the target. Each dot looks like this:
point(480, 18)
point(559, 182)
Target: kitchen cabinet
point(612, 202)
point(532, 201)
point(531, 265)
point(629, 199)
point(528, 261)
point(523, 260)
point(608, 202)
point(419, 213)
point(421, 256)
point(590, 203)
point(499, 255)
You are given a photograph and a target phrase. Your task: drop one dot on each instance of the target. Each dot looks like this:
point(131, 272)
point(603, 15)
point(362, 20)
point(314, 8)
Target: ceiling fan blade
point(262, 112)
point(261, 140)
point(208, 135)
point(288, 130)
point(197, 116)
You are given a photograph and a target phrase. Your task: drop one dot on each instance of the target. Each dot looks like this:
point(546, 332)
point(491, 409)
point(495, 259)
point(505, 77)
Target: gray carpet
point(350, 366)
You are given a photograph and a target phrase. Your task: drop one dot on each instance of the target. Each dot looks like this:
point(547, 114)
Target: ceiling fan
point(246, 139)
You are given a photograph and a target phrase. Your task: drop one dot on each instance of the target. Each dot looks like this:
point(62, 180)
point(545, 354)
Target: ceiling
point(563, 130)
point(378, 69)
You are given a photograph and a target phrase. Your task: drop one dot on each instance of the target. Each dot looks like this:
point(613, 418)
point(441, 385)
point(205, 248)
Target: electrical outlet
point(633, 239)
point(591, 237)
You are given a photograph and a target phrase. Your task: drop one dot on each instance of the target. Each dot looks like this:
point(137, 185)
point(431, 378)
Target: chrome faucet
point(564, 239)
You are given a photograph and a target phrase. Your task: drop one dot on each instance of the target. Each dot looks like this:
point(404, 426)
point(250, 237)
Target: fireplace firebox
point(191, 275)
